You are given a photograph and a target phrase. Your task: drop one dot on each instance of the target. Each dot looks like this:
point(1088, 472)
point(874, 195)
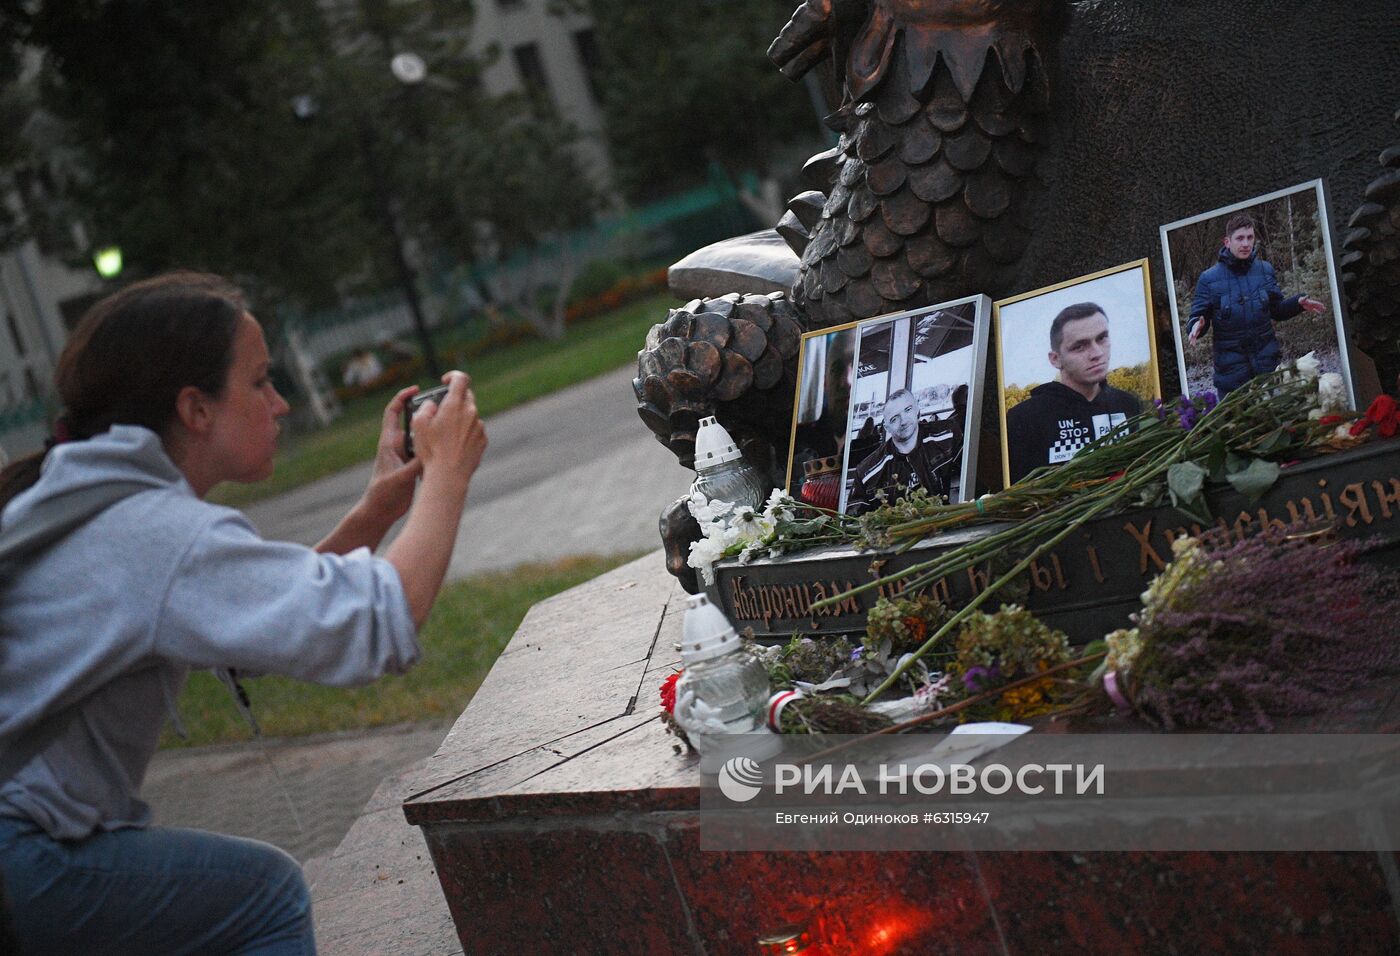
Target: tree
point(523, 227)
point(269, 140)
point(15, 107)
point(688, 85)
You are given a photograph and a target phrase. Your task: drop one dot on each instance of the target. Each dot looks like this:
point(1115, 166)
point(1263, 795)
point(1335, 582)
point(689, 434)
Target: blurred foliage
point(685, 85)
point(269, 141)
point(1015, 394)
point(15, 106)
point(598, 277)
point(1137, 379)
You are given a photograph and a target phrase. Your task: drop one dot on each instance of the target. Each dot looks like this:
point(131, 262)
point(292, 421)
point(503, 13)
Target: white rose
point(703, 555)
point(1308, 366)
point(1331, 392)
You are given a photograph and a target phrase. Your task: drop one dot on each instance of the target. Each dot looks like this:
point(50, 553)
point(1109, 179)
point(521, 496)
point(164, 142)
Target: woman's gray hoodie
point(119, 611)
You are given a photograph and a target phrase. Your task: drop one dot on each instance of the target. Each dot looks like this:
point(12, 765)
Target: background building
point(40, 300)
point(553, 57)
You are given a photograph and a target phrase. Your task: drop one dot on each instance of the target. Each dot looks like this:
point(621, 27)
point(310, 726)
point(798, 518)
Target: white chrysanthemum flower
point(1331, 392)
point(779, 506)
point(1308, 366)
point(747, 526)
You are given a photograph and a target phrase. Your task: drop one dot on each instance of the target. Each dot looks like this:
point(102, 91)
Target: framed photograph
point(884, 405)
point(1075, 361)
point(1252, 285)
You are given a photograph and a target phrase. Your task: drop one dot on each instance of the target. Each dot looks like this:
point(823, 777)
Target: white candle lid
point(705, 633)
point(713, 444)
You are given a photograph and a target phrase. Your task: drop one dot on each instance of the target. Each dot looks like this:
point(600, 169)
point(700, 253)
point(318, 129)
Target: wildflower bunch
point(997, 649)
point(834, 665)
point(903, 623)
point(814, 662)
point(1235, 636)
point(830, 714)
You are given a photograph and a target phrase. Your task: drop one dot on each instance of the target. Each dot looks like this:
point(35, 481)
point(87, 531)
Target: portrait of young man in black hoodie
point(1061, 417)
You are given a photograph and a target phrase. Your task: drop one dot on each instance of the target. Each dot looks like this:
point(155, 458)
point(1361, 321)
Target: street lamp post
point(393, 228)
point(408, 69)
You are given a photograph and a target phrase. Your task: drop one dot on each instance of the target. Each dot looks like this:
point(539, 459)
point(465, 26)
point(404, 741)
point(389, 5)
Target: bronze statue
point(943, 119)
point(1370, 262)
point(999, 145)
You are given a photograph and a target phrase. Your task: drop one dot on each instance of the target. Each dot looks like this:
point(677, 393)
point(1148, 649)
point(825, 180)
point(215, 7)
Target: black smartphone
point(434, 395)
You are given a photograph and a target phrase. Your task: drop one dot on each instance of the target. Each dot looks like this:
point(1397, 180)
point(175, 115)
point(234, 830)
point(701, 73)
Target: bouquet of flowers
point(997, 649)
point(729, 530)
point(1242, 440)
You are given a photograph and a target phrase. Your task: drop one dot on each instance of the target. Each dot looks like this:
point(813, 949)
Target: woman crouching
point(136, 579)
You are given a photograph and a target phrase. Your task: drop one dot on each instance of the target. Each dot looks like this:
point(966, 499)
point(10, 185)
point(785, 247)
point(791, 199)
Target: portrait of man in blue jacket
point(1238, 300)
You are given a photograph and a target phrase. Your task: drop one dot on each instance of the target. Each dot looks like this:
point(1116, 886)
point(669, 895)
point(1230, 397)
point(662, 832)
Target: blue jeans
point(152, 891)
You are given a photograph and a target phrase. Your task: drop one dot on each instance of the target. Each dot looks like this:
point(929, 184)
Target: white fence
point(321, 340)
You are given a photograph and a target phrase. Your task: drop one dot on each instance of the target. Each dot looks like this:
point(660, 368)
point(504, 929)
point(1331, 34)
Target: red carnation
point(668, 692)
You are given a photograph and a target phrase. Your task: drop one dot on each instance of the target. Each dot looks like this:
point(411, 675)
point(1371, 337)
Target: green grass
point(502, 379)
point(469, 626)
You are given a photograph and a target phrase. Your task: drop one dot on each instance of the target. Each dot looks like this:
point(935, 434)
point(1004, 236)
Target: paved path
point(301, 794)
point(573, 473)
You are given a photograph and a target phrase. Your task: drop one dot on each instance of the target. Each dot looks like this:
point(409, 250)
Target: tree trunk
point(523, 295)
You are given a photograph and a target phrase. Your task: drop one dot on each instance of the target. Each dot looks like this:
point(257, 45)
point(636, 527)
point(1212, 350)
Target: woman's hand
point(390, 491)
point(392, 480)
point(449, 438)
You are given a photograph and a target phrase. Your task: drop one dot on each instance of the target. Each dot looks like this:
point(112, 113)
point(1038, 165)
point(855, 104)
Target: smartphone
point(434, 395)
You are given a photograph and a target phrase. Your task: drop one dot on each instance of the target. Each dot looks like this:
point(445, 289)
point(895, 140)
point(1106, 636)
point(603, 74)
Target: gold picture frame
point(1027, 363)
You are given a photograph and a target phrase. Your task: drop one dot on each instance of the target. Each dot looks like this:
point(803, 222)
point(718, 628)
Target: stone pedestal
point(561, 820)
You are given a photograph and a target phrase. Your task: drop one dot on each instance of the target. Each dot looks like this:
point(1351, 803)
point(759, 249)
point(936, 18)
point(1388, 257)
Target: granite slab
point(561, 818)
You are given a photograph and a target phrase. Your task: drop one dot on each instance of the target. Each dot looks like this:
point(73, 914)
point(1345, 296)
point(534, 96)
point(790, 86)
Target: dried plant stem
point(965, 703)
point(993, 588)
